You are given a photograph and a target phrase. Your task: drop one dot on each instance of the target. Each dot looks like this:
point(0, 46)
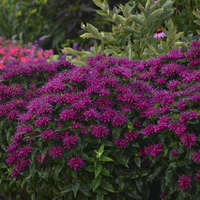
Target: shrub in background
point(56, 21)
point(133, 32)
point(184, 18)
point(59, 21)
point(112, 128)
point(197, 20)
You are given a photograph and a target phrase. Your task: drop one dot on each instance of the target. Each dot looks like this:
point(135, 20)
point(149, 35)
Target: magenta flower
point(188, 140)
point(99, 131)
point(56, 151)
point(196, 157)
point(180, 129)
point(70, 141)
point(75, 163)
point(67, 114)
point(47, 134)
point(153, 150)
point(121, 143)
point(131, 136)
point(184, 182)
point(24, 151)
point(20, 166)
point(118, 120)
point(42, 121)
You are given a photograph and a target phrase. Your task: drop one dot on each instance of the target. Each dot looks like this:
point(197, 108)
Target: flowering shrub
point(20, 82)
point(10, 51)
point(113, 128)
point(140, 30)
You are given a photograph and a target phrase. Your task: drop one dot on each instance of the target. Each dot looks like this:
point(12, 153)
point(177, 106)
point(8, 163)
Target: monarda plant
point(20, 82)
point(112, 130)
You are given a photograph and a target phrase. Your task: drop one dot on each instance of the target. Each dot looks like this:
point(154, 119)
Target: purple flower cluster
point(147, 107)
point(153, 150)
point(184, 182)
point(75, 163)
point(15, 96)
point(56, 151)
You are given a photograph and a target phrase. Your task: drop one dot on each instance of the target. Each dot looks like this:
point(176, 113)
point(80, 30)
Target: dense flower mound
point(22, 81)
point(10, 51)
point(19, 83)
point(143, 115)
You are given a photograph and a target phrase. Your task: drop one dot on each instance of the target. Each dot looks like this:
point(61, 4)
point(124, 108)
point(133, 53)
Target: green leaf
point(33, 196)
point(43, 153)
point(108, 187)
point(96, 183)
point(139, 185)
point(155, 14)
point(138, 161)
point(99, 4)
point(138, 19)
point(88, 35)
point(134, 194)
point(148, 4)
point(106, 172)
point(130, 126)
point(100, 151)
point(75, 188)
point(98, 170)
point(100, 196)
point(67, 189)
point(58, 170)
point(106, 159)
point(85, 190)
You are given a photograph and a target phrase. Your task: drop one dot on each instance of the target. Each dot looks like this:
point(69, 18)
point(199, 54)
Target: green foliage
point(197, 20)
point(183, 16)
point(57, 21)
point(22, 20)
point(133, 29)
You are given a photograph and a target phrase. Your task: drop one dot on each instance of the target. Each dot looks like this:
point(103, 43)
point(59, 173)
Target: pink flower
point(196, 157)
point(184, 182)
point(47, 134)
point(70, 141)
point(131, 136)
point(75, 163)
point(159, 35)
point(121, 143)
point(24, 151)
point(99, 130)
point(188, 140)
point(56, 151)
point(153, 150)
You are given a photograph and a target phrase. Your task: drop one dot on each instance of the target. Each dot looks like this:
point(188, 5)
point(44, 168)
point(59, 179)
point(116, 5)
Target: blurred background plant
point(133, 29)
point(140, 30)
point(197, 20)
point(55, 24)
point(48, 23)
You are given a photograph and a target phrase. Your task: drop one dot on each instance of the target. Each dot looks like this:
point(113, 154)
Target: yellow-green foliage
point(197, 21)
point(132, 32)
